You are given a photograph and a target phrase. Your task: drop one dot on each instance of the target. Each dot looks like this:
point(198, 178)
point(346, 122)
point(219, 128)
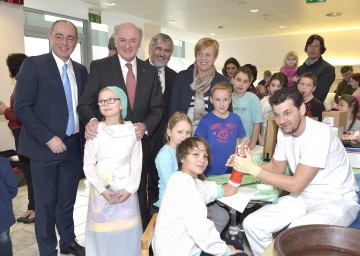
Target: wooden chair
point(147, 236)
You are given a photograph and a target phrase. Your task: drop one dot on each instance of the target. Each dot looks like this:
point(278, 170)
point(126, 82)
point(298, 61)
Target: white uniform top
point(319, 147)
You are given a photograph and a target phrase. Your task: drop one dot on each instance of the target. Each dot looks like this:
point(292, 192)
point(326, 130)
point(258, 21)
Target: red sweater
point(9, 114)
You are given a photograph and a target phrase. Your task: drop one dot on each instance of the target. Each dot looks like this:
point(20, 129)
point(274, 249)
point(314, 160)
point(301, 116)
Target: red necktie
point(130, 84)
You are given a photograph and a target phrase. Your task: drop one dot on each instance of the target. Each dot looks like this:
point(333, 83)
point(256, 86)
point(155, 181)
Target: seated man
point(322, 189)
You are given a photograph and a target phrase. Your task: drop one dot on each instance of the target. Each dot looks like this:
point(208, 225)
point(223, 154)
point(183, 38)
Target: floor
point(23, 235)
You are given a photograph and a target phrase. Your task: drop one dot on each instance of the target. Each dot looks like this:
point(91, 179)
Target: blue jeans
point(5, 244)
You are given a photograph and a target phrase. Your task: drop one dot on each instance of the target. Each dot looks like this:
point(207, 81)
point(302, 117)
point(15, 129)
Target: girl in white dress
point(112, 164)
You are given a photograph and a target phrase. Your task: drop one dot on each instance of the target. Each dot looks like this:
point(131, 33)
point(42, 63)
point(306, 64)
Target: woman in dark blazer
point(191, 91)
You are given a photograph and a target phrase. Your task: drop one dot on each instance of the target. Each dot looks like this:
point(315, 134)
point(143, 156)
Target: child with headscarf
point(112, 164)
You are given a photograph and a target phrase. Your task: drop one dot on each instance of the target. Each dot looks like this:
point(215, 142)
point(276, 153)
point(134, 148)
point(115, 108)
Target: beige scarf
point(200, 86)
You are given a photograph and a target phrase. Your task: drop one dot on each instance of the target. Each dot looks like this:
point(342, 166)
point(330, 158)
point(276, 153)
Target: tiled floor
point(23, 235)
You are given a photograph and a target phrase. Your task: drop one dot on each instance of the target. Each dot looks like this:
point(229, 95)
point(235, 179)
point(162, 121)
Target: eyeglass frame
point(102, 102)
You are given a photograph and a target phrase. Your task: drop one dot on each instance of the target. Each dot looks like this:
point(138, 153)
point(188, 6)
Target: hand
point(140, 129)
point(56, 145)
point(2, 107)
point(246, 164)
point(109, 196)
point(233, 250)
point(122, 196)
point(91, 129)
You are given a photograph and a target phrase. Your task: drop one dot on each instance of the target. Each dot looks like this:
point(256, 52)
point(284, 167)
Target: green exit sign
point(96, 18)
point(314, 1)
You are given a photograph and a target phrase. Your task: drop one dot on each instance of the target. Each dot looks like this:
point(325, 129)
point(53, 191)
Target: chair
point(147, 236)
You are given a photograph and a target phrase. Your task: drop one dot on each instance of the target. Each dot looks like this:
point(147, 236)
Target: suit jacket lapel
point(54, 72)
point(116, 69)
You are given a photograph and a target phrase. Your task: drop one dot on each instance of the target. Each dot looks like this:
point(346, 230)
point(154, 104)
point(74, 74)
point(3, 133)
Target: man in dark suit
point(146, 110)
point(160, 49)
point(47, 91)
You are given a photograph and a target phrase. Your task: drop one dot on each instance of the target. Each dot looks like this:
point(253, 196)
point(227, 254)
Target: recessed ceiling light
point(110, 3)
point(172, 21)
point(212, 34)
point(254, 10)
point(282, 26)
point(223, 27)
point(334, 14)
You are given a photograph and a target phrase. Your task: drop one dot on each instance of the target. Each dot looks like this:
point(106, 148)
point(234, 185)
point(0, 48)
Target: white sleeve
point(208, 190)
point(135, 167)
point(90, 165)
point(199, 227)
point(279, 153)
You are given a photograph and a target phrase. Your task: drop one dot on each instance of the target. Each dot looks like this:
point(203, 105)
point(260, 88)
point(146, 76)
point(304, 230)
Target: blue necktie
point(67, 88)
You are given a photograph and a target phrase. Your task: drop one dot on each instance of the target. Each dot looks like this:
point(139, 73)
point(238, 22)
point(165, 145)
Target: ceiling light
point(334, 14)
point(212, 34)
point(110, 3)
point(172, 21)
point(282, 26)
point(254, 10)
point(223, 27)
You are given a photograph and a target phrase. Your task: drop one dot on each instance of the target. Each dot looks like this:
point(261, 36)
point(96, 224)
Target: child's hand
point(108, 196)
point(233, 251)
point(122, 196)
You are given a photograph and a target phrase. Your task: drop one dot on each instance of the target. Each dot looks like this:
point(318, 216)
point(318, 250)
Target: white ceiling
point(204, 16)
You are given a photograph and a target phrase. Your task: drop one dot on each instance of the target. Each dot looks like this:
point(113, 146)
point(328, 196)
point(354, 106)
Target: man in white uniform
point(322, 189)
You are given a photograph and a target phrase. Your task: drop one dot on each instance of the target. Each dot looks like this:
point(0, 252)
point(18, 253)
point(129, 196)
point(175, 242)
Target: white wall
point(264, 52)
point(12, 41)
point(268, 52)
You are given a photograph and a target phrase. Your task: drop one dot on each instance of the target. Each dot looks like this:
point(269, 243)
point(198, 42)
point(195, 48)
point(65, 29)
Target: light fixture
point(110, 3)
point(254, 10)
point(212, 34)
point(282, 26)
point(172, 21)
point(334, 14)
point(223, 27)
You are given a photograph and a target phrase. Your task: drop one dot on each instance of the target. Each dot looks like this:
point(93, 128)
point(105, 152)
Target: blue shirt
point(166, 164)
point(221, 134)
point(249, 109)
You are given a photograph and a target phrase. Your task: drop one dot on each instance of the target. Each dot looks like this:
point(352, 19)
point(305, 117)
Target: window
point(37, 27)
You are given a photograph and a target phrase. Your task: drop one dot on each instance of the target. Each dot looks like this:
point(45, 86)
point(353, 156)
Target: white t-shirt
point(318, 147)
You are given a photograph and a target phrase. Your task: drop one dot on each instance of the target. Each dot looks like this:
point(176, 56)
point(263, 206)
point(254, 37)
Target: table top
point(266, 194)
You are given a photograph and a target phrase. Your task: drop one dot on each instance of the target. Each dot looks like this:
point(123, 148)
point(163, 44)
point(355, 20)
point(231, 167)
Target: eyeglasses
point(108, 101)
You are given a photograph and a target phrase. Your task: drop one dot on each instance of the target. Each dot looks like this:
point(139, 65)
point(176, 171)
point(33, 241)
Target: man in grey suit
point(147, 108)
point(160, 49)
point(47, 91)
